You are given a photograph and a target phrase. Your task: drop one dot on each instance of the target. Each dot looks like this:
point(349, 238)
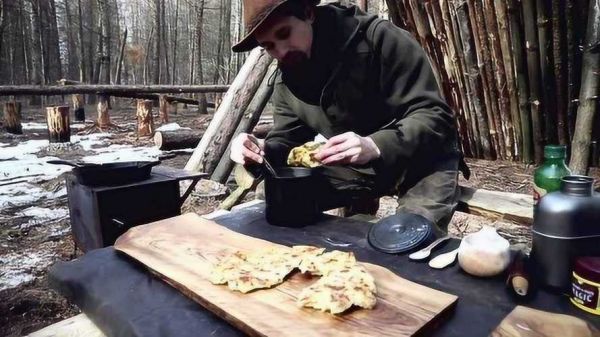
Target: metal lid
point(399, 233)
point(555, 151)
point(588, 268)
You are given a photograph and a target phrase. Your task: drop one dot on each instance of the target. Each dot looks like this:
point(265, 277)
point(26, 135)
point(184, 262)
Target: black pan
point(109, 174)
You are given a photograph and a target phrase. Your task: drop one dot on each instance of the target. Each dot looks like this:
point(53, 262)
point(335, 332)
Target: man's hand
point(246, 149)
point(348, 148)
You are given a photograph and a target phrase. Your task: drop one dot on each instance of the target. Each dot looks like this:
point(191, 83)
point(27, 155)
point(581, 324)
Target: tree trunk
point(157, 41)
point(533, 67)
point(200, 72)
point(176, 140)
point(214, 143)
point(59, 129)
point(144, 118)
point(12, 117)
point(79, 107)
point(163, 110)
point(590, 91)
point(173, 71)
point(82, 62)
point(120, 60)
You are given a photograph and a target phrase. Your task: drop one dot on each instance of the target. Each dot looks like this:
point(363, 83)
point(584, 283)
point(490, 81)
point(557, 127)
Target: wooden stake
point(590, 92)
point(59, 129)
point(12, 117)
point(103, 112)
point(144, 118)
point(78, 107)
point(533, 68)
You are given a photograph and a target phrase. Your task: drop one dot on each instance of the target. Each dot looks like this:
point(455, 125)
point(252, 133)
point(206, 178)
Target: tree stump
point(59, 129)
point(78, 107)
point(103, 114)
point(178, 139)
point(12, 117)
point(144, 118)
point(163, 110)
point(173, 108)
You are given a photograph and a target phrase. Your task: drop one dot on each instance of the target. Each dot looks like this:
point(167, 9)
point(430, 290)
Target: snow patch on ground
point(171, 127)
point(21, 267)
point(24, 194)
point(89, 141)
point(42, 215)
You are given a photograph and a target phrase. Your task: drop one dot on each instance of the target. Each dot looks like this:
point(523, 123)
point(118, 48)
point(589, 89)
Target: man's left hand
point(348, 148)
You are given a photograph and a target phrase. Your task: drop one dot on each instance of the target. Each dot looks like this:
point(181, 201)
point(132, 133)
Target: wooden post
point(163, 111)
point(12, 117)
point(78, 107)
point(103, 114)
point(144, 118)
point(590, 91)
point(172, 108)
point(59, 129)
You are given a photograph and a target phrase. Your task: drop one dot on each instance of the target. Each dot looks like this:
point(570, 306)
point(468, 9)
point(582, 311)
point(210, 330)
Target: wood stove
point(100, 214)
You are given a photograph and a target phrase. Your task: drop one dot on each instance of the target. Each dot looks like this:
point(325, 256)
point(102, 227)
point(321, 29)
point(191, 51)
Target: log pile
point(513, 71)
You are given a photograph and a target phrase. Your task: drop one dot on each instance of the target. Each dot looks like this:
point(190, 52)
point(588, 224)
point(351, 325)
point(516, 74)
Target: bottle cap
point(555, 151)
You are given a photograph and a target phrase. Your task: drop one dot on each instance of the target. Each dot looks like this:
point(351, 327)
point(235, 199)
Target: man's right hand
point(247, 149)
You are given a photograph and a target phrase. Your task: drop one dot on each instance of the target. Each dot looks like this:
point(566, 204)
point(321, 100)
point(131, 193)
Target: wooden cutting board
point(527, 322)
point(182, 250)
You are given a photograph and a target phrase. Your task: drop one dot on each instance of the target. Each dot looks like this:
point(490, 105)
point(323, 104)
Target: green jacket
point(383, 87)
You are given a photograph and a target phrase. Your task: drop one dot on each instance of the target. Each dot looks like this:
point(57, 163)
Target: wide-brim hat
point(256, 12)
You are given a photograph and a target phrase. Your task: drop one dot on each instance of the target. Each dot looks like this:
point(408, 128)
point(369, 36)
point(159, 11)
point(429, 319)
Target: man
point(366, 86)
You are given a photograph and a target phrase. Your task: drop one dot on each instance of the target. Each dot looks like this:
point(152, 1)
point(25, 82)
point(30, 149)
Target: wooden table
point(482, 305)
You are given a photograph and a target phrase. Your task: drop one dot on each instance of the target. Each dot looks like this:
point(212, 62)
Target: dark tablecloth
point(124, 299)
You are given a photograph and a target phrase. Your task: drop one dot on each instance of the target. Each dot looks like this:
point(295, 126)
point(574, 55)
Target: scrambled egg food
point(304, 155)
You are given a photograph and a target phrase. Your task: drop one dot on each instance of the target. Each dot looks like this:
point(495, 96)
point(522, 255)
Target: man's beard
point(293, 61)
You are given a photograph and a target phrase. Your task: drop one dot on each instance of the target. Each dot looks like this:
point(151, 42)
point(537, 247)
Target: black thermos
point(566, 225)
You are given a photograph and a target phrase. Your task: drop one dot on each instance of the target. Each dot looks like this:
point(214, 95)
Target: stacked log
point(512, 70)
point(12, 117)
point(59, 129)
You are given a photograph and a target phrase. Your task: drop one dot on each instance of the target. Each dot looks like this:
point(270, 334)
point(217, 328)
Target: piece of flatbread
point(304, 155)
point(325, 263)
point(340, 290)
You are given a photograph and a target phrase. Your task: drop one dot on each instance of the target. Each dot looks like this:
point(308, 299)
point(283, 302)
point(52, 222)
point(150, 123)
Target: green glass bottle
point(546, 178)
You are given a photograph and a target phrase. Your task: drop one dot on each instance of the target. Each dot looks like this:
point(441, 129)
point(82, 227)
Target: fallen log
point(176, 140)
point(111, 90)
point(497, 205)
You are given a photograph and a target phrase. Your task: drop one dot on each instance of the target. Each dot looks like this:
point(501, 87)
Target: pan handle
point(64, 162)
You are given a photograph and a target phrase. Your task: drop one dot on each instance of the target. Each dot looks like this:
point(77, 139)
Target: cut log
point(111, 90)
point(176, 140)
point(226, 119)
point(12, 117)
point(103, 114)
point(78, 107)
point(59, 128)
point(163, 110)
point(497, 205)
point(144, 118)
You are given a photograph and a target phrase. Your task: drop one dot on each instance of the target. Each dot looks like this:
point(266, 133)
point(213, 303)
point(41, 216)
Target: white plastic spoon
point(425, 252)
point(443, 260)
